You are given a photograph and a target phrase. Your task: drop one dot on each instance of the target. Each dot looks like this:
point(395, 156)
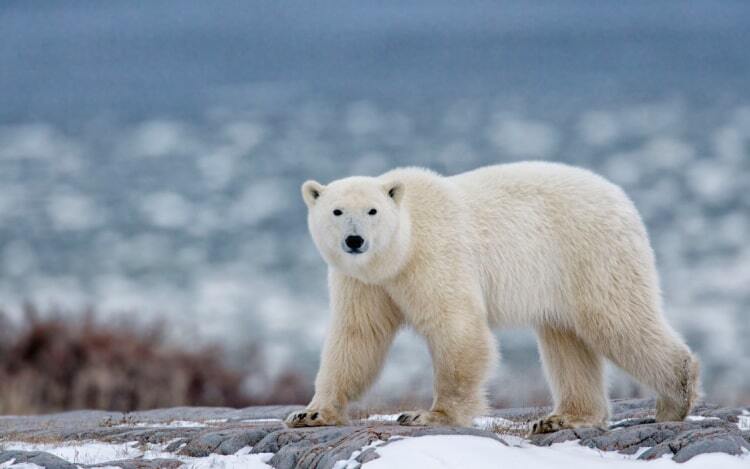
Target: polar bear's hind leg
point(648, 349)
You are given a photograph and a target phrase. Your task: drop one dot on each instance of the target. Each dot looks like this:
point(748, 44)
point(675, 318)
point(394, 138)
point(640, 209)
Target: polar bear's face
point(352, 220)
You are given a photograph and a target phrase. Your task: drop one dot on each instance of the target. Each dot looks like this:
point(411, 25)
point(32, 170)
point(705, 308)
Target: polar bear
point(537, 244)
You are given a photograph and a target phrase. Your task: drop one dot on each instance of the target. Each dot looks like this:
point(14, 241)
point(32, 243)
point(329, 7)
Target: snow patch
point(93, 452)
point(743, 421)
point(21, 465)
point(618, 422)
point(484, 423)
point(383, 417)
point(83, 452)
point(699, 418)
point(172, 424)
point(498, 424)
point(461, 451)
point(242, 459)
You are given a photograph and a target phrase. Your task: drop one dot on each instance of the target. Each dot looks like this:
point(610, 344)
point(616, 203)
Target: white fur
point(544, 245)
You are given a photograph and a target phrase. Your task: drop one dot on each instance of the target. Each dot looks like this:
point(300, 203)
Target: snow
point(242, 459)
point(744, 420)
point(93, 452)
point(485, 423)
point(383, 417)
point(699, 418)
point(619, 422)
point(172, 424)
point(498, 424)
point(460, 451)
point(83, 452)
point(21, 465)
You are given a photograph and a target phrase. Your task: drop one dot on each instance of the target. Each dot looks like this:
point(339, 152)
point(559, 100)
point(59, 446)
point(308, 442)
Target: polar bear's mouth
point(356, 251)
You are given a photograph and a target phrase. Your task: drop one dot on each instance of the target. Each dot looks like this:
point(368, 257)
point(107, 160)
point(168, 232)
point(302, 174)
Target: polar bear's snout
point(355, 244)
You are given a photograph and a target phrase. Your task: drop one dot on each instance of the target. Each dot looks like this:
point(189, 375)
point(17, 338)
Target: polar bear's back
point(538, 179)
point(550, 238)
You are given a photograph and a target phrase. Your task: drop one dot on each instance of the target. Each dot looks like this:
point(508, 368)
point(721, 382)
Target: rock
point(40, 458)
point(240, 439)
point(367, 455)
point(693, 442)
point(203, 414)
point(565, 435)
point(176, 445)
point(723, 443)
point(631, 438)
point(637, 429)
point(204, 444)
point(727, 414)
point(55, 426)
point(141, 464)
point(632, 422)
point(141, 435)
point(222, 442)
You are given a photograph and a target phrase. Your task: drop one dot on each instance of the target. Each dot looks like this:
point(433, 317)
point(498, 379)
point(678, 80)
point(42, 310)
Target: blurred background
point(153, 243)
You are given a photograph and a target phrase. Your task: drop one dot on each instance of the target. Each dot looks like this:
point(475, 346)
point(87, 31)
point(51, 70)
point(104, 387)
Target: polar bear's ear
point(395, 191)
point(311, 190)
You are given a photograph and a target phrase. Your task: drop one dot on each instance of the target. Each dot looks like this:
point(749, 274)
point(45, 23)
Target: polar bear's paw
point(314, 418)
point(424, 417)
point(554, 422)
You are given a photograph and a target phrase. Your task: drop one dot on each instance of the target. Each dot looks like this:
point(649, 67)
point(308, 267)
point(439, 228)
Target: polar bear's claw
point(405, 419)
point(423, 417)
point(553, 423)
point(313, 418)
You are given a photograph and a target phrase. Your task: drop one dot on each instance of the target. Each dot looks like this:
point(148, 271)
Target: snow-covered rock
point(255, 437)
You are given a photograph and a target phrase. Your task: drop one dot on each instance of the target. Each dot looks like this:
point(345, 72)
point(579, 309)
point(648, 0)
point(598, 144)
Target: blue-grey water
point(151, 153)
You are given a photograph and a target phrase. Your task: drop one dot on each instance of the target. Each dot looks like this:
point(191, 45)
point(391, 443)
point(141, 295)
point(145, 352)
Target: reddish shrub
point(53, 364)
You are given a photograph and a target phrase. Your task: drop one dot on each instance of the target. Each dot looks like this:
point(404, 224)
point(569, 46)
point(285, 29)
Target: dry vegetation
point(55, 362)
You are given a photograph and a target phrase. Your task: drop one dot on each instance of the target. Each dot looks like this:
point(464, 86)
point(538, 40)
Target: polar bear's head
point(355, 221)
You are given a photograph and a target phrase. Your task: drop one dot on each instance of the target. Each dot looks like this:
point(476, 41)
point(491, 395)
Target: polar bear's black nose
point(354, 242)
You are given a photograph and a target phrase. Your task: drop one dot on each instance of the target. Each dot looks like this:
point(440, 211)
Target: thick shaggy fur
point(544, 245)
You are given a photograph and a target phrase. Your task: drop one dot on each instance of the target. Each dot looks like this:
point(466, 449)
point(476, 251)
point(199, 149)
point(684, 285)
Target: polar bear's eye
point(372, 211)
point(337, 212)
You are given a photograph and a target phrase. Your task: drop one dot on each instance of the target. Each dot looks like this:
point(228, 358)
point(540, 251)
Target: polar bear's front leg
point(363, 326)
point(462, 349)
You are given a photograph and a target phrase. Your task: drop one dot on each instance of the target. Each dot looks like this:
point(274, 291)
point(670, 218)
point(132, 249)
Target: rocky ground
point(170, 438)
